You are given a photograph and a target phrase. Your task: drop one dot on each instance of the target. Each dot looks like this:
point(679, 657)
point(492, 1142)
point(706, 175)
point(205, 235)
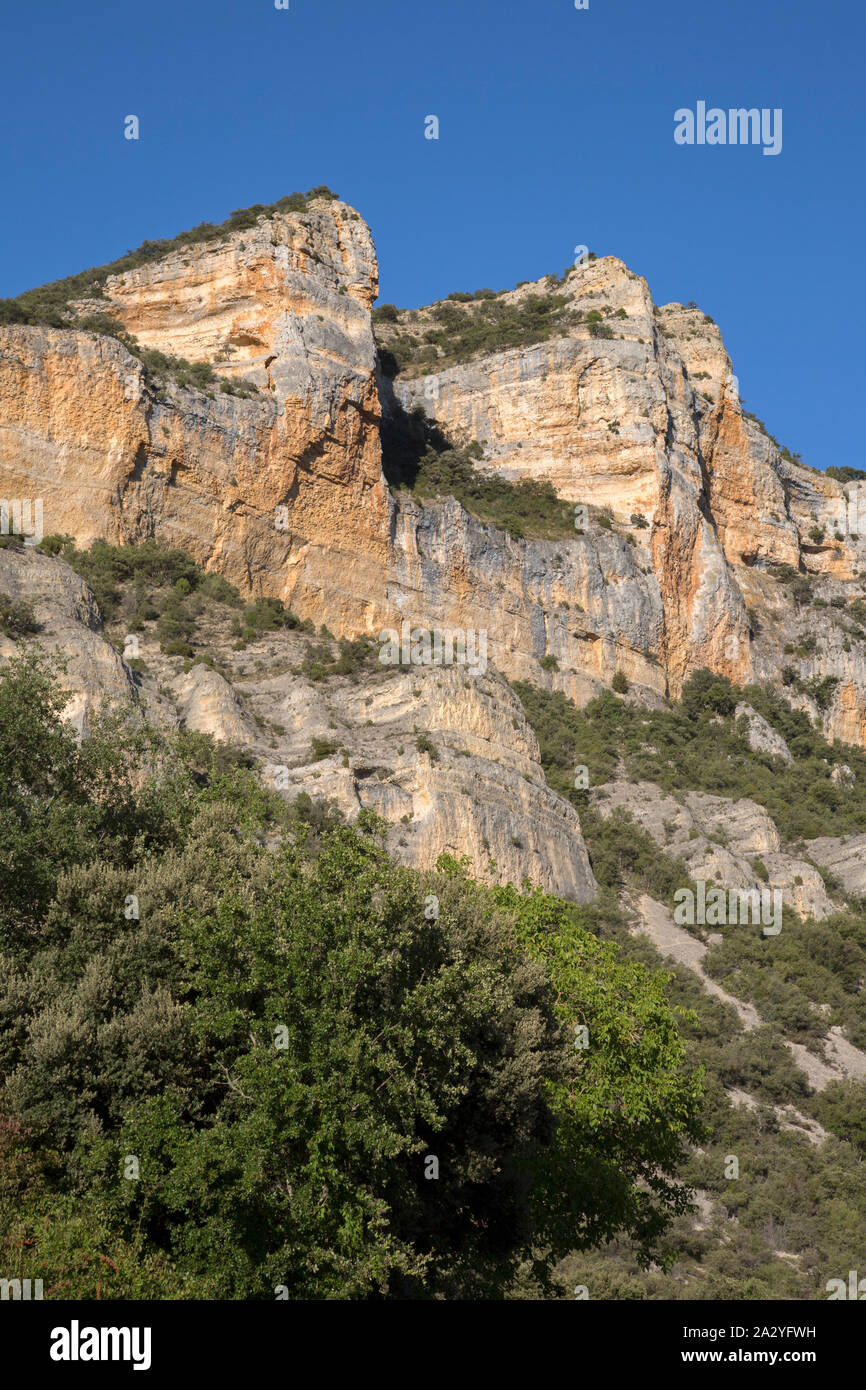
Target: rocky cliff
point(692, 540)
point(629, 410)
point(632, 411)
point(695, 543)
point(284, 304)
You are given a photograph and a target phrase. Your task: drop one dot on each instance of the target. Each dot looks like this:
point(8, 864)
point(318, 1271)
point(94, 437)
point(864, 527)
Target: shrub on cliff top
point(49, 304)
point(462, 330)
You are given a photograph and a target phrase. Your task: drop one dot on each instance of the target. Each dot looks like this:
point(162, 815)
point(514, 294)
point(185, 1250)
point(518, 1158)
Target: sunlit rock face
point(647, 422)
point(284, 305)
point(633, 415)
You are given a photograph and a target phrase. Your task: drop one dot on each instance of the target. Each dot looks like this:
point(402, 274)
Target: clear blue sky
point(556, 129)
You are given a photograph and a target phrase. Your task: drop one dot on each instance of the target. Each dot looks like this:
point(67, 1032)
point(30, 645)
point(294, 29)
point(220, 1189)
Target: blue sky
point(556, 129)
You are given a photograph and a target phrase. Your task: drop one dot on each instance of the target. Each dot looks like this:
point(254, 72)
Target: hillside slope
point(673, 615)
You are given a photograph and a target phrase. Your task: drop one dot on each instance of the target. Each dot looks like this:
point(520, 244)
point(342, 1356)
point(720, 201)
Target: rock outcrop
point(845, 857)
point(69, 630)
point(285, 305)
point(722, 842)
point(444, 754)
point(638, 413)
point(762, 737)
point(628, 409)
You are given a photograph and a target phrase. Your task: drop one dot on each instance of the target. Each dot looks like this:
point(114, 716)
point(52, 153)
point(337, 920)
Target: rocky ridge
point(690, 506)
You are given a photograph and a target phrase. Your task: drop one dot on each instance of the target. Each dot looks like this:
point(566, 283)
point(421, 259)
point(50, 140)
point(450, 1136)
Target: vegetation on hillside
point(778, 1202)
point(459, 331)
point(527, 509)
point(699, 745)
point(846, 474)
point(160, 588)
point(236, 1047)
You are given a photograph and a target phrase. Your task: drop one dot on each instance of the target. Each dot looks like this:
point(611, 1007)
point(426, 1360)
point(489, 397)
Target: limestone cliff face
point(617, 422)
point(631, 408)
point(647, 421)
point(264, 303)
point(589, 603)
point(285, 305)
point(473, 786)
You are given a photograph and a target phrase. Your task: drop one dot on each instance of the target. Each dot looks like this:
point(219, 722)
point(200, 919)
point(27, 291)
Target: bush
point(841, 1107)
point(707, 692)
point(265, 615)
point(177, 647)
point(322, 748)
point(216, 587)
point(17, 618)
point(619, 684)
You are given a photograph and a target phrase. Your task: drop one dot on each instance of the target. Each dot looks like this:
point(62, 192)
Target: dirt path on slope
point(846, 1062)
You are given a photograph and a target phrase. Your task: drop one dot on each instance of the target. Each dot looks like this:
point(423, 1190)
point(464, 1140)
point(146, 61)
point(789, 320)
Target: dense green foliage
point(789, 1196)
point(153, 584)
point(153, 587)
point(811, 961)
point(237, 1083)
point(846, 474)
point(341, 658)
